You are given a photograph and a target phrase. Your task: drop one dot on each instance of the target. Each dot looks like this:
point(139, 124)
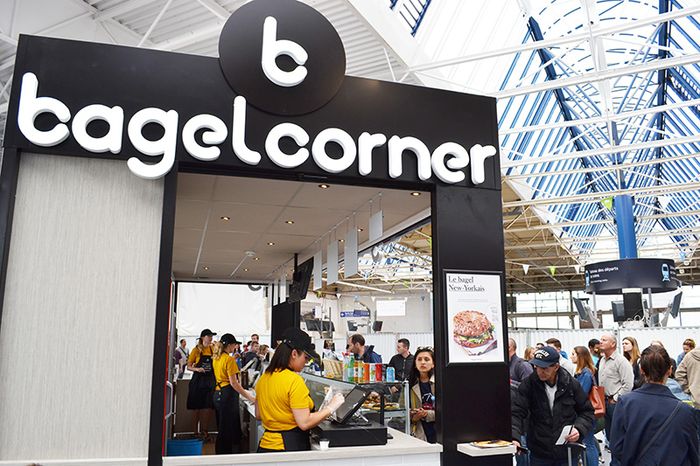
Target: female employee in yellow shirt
point(284, 405)
point(226, 394)
point(201, 387)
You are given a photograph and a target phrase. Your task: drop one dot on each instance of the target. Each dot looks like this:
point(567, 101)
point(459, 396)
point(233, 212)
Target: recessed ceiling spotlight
point(225, 218)
point(324, 186)
point(415, 193)
point(256, 259)
point(360, 229)
point(289, 222)
point(205, 267)
point(245, 270)
point(341, 240)
point(270, 243)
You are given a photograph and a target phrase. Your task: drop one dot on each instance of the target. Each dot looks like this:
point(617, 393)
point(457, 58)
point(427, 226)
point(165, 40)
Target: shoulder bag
point(597, 398)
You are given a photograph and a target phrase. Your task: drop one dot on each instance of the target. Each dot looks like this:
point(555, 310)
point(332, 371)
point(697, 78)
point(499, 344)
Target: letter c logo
point(273, 48)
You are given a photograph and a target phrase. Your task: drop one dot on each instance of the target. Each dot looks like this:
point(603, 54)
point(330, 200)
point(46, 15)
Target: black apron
point(293, 440)
point(201, 388)
point(228, 420)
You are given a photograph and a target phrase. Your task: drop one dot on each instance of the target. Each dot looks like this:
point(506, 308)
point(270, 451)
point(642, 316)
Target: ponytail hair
point(280, 360)
point(217, 349)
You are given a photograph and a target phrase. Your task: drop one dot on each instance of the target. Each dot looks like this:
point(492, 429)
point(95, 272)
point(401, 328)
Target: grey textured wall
point(76, 340)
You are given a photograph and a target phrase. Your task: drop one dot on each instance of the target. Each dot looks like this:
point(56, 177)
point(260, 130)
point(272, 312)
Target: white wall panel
point(671, 337)
point(79, 311)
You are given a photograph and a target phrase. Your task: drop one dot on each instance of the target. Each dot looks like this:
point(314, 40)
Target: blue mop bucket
point(184, 447)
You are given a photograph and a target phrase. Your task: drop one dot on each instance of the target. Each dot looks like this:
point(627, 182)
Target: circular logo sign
point(283, 56)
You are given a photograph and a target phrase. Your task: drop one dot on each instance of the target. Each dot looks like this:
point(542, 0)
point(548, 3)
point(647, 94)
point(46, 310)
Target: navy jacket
point(571, 407)
point(370, 356)
point(519, 368)
point(639, 414)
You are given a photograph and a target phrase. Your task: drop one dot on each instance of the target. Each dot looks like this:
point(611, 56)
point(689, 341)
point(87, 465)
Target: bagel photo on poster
point(474, 317)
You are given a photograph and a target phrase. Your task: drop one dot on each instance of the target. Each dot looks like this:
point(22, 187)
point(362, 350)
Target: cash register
point(349, 428)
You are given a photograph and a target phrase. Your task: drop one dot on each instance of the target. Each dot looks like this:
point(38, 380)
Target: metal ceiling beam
point(5, 38)
point(641, 218)
point(601, 119)
point(120, 9)
point(216, 9)
point(155, 22)
point(634, 24)
point(549, 226)
point(96, 13)
point(191, 37)
point(597, 196)
point(546, 58)
point(596, 152)
point(595, 76)
point(624, 166)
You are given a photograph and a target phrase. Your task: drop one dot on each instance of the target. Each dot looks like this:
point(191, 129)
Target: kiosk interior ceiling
point(221, 221)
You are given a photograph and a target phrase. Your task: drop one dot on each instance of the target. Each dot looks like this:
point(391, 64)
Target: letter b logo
point(283, 56)
point(273, 48)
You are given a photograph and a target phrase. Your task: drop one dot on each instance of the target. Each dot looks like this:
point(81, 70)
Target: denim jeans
point(523, 460)
point(591, 447)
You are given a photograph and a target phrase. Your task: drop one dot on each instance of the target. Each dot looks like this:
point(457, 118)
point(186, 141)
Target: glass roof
point(617, 142)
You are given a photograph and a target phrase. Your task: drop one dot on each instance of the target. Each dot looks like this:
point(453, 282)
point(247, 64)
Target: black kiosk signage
point(631, 278)
point(277, 104)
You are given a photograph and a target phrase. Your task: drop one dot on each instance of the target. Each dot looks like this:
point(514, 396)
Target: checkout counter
point(367, 433)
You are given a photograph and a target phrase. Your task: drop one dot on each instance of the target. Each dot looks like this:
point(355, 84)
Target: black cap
point(297, 339)
point(227, 339)
point(545, 357)
point(206, 332)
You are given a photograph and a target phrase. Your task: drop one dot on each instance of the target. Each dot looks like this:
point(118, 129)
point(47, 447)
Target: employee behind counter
point(283, 402)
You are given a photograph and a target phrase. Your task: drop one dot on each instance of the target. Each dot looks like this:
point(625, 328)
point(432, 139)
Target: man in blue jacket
point(356, 345)
point(650, 426)
point(553, 399)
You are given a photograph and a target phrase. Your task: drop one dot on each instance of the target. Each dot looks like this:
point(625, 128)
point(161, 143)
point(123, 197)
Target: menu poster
point(474, 317)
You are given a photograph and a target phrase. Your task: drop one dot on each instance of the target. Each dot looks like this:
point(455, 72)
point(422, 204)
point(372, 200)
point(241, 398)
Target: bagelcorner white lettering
point(447, 161)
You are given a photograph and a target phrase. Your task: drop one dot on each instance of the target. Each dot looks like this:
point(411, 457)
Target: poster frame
point(500, 327)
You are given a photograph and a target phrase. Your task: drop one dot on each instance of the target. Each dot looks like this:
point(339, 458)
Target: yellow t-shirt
point(223, 367)
point(195, 353)
point(277, 394)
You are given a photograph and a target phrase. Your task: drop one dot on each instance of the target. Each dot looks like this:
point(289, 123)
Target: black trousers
point(228, 419)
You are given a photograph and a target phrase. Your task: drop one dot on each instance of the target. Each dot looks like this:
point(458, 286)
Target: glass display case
point(388, 403)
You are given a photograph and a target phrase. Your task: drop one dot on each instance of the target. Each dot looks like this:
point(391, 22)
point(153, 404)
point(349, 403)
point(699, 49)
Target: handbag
point(597, 398)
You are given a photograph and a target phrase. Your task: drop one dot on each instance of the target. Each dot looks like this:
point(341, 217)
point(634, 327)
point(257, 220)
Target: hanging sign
point(355, 313)
point(611, 277)
point(350, 263)
point(318, 270)
point(332, 261)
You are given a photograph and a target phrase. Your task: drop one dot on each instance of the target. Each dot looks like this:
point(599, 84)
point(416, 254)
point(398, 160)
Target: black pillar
point(473, 400)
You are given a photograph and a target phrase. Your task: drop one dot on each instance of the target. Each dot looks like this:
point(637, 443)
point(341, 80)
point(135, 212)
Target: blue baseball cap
point(545, 357)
